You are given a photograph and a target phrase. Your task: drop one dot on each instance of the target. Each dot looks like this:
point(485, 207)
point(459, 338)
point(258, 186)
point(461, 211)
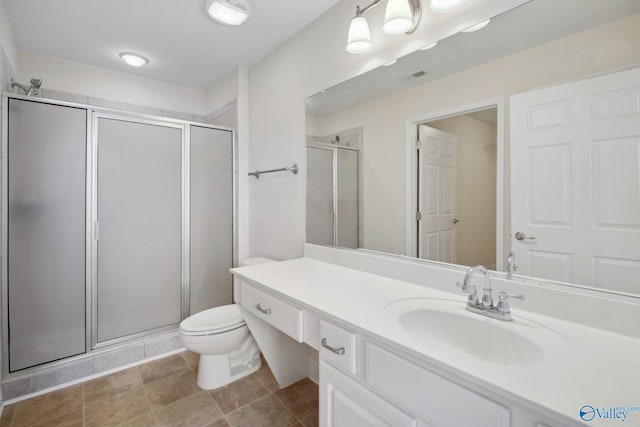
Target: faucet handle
point(503, 304)
point(471, 290)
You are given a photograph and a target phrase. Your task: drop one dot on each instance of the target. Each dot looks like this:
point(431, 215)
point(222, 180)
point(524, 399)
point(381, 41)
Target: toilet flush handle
point(263, 310)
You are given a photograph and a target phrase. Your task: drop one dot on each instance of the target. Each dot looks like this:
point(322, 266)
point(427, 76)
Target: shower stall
point(333, 189)
point(116, 226)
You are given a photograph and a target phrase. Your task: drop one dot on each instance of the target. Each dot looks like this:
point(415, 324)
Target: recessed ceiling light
point(443, 6)
point(228, 12)
point(429, 46)
point(134, 59)
point(393, 61)
point(477, 26)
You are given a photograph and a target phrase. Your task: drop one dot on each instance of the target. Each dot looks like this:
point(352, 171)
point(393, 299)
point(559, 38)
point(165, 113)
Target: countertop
point(593, 367)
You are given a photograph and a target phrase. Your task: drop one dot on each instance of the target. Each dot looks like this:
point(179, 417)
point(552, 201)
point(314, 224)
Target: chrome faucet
point(512, 265)
point(501, 311)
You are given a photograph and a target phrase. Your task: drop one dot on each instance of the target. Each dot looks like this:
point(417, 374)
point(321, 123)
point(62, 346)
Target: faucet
point(512, 265)
point(486, 307)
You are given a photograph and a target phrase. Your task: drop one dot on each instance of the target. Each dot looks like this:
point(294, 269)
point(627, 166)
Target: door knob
point(521, 236)
point(456, 220)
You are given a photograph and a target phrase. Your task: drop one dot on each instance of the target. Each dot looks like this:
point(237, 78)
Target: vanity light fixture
point(401, 16)
point(228, 12)
point(444, 6)
point(134, 59)
point(477, 27)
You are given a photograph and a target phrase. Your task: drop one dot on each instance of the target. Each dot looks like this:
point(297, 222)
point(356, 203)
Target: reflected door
point(437, 195)
point(139, 250)
point(575, 191)
point(46, 232)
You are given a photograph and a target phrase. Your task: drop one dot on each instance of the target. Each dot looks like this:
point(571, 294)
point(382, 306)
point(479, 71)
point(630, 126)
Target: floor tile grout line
point(217, 406)
point(287, 408)
point(146, 396)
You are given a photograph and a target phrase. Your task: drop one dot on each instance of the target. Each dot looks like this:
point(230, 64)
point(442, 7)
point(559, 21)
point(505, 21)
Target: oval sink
point(443, 327)
point(488, 342)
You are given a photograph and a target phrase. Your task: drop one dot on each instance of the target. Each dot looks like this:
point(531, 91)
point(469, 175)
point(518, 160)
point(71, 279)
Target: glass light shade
point(398, 17)
point(134, 59)
point(443, 6)
point(228, 12)
point(359, 40)
point(477, 26)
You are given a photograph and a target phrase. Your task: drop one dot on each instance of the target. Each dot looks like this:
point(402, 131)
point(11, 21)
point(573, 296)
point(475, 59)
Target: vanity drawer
point(280, 314)
point(338, 347)
point(431, 397)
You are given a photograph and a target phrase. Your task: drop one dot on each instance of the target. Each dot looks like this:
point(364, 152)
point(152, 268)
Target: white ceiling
point(183, 45)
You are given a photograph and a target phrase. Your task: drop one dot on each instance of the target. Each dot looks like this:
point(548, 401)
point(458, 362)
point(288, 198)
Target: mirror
point(520, 137)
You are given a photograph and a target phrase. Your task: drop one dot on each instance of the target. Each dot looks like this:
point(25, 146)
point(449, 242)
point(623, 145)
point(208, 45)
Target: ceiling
point(529, 25)
point(182, 44)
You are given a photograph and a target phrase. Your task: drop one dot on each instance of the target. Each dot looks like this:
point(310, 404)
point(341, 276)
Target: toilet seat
point(213, 321)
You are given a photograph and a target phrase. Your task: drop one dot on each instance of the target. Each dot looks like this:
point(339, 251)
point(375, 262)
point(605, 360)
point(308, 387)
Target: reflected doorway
point(456, 188)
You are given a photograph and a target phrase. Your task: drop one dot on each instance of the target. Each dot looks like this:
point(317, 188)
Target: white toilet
point(220, 335)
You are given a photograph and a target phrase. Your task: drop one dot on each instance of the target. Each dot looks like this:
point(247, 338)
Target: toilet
point(220, 335)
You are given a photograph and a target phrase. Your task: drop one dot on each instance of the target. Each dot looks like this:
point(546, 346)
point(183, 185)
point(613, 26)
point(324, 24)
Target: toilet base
point(214, 370)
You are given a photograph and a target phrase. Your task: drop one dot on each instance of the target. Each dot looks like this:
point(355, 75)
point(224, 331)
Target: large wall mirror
point(522, 137)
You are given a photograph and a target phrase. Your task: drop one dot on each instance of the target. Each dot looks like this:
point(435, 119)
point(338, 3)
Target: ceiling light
point(393, 61)
point(359, 40)
point(477, 26)
point(134, 59)
point(443, 6)
point(398, 17)
point(429, 46)
point(228, 12)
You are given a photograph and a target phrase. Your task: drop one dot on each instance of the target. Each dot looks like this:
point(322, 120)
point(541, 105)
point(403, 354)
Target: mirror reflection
point(521, 137)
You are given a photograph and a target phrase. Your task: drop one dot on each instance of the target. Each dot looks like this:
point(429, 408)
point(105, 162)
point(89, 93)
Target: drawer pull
point(263, 310)
point(332, 349)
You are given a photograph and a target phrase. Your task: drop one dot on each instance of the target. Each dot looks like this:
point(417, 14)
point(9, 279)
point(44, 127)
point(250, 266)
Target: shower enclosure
point(116, 226)
point(333, 195)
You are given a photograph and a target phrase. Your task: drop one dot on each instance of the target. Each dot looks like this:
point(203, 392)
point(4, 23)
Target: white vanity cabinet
point(389, 390)
point(367, 381)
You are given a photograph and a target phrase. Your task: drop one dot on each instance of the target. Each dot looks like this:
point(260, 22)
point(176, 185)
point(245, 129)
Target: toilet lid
point(218, 318)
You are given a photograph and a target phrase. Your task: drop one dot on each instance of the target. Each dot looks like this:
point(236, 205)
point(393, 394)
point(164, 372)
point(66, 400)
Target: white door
point(437, 195)
point(575, 191)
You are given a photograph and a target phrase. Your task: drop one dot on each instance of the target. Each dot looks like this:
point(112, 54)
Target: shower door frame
point(334, 159)
point(92, 346)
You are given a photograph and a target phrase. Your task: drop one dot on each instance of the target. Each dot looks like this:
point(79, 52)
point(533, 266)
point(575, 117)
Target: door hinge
point(418, 216)
point(418, 145)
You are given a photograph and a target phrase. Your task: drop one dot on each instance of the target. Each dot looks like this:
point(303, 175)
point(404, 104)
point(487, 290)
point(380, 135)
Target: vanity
point(397, 347)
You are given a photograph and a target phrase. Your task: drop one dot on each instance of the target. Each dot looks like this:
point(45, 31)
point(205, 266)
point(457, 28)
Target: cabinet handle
point(332, 349)
point(263, 310)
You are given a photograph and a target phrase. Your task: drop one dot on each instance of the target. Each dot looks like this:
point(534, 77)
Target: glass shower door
point(46, 162)
point(139, 226)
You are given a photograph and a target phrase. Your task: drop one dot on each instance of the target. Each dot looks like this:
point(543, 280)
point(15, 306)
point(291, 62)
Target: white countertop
point(595, 367)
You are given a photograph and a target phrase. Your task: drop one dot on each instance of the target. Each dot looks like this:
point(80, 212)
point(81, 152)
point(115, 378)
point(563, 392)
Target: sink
point(444, 326)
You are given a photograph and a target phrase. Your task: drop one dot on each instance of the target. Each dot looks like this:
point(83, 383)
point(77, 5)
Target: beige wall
point(603, 49)
point(476, 189)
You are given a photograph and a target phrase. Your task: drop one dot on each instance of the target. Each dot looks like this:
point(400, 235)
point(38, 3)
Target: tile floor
point(164, 393)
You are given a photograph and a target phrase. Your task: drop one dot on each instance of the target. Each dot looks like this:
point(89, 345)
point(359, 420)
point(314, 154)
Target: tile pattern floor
point(164, 393)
